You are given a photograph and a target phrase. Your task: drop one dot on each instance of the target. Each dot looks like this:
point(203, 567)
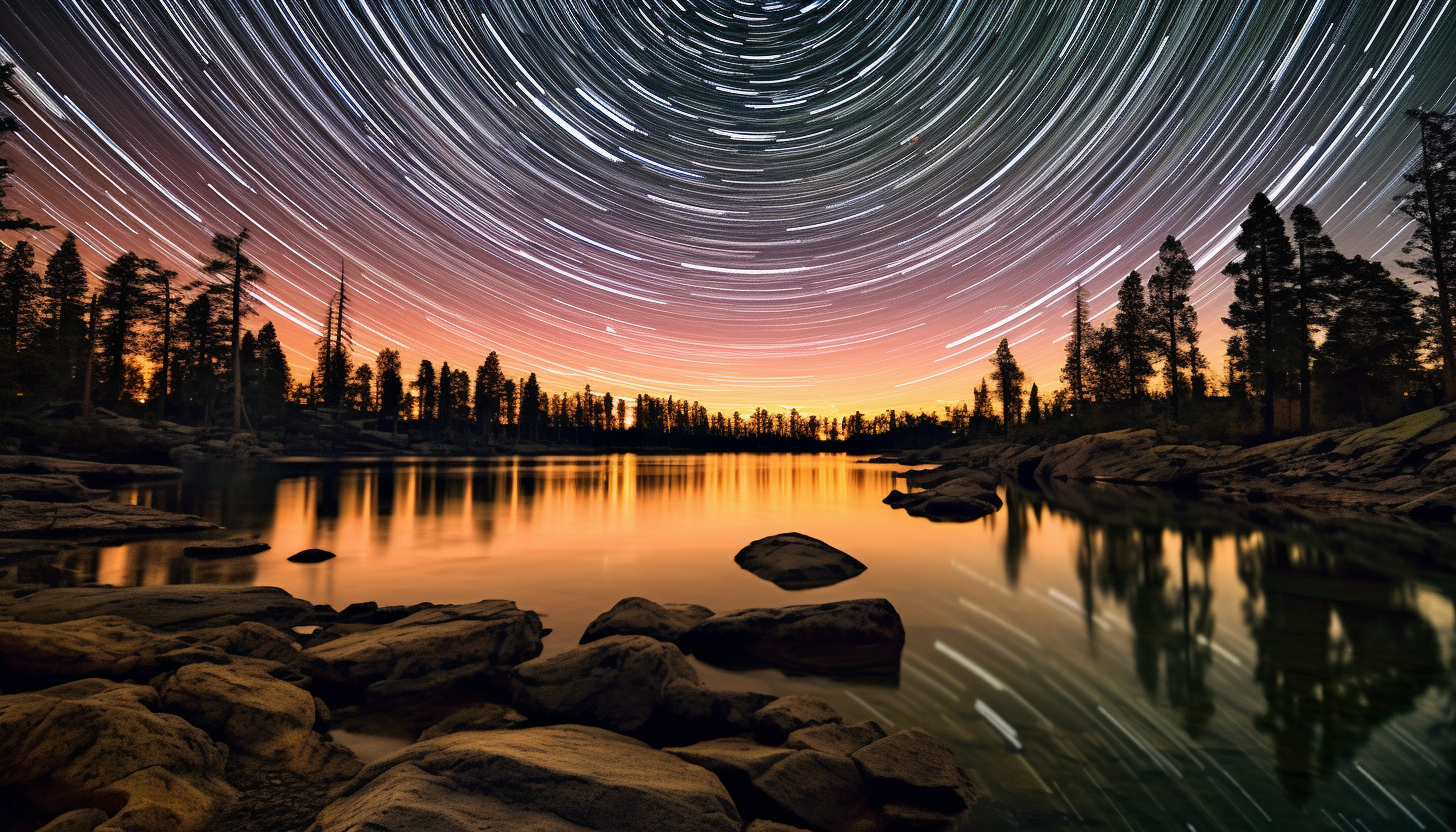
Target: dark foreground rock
point(443, 646)
point(551, 779)
point(311, 556)
point(166, 608)
point(102, 744)
point(957, 498)
point(797, 561)
point(632, 685)
point(31, 518)
point(863, 637)
point(641, 617)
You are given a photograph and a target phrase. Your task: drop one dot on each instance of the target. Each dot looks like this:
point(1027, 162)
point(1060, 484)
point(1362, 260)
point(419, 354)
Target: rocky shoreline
point(200, 708)
point(1406, 468)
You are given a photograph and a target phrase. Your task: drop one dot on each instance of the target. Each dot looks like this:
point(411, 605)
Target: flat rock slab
point(91, 473)
point(567, 778)
point(863, 637)
point(163, 607)
point(220, 549)
point(797, 561)
point(433, 647)
point(47, 488)
point(31, 518)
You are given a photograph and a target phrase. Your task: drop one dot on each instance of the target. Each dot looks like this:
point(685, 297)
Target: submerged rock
point(447, 645)
point(232, 548)
point(797, 561)
point(312, 556)
point(855, 638)
point(99, 743)
point(567, 778)
point(641, 617)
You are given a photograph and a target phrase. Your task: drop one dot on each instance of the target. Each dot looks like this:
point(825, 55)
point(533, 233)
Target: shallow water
point(1098, 658)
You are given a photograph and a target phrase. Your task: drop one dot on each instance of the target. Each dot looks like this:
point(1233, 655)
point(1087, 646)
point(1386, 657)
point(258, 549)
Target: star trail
point(831, 205)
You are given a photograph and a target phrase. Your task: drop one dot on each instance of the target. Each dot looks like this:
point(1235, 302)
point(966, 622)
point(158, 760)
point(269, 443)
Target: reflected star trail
point(832, 205)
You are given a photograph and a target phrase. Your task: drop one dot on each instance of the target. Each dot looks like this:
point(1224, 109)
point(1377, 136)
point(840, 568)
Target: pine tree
point(490, 385)
point(273, 377)
point(446, 394)
point(1263, 301)
point(391, 385)
point(1370, 352)
point(1130, 330)
point(66, 288)
point(1074, 372)
point(20, 300)
point(165, 307)
point(1033, 406)
point(428, 390)
point(334, 344)
point(1433, 206)
point(1106, 372)
point(530, 406)
point(233, 273)
point(1172, 321)
point(202, 352)
point(1008, 378)
point(1316, 274)
point(980, 403)
point(128, 294)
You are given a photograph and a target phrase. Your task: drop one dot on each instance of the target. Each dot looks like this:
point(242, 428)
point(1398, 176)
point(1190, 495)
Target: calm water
point(1098, 660)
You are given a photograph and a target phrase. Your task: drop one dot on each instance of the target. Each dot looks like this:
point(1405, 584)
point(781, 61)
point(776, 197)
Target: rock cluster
point(198, 709)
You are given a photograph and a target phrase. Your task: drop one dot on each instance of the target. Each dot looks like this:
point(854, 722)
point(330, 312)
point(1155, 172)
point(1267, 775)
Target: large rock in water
point(913, 774)
point(641, 617)
point(797, 561)
point(98, 743)
point(966, 496)
point(631, 685)
point(840, 638)
point(258, 716)
point(463, 643)
point(568, 778)
point(163, 607)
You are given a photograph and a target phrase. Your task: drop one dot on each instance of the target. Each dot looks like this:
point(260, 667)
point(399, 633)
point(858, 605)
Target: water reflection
point(1157, 659)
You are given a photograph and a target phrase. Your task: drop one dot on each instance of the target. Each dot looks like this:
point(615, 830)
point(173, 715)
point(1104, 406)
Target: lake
point(1098, 658)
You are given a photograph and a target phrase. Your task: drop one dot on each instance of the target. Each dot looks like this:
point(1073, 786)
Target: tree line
point(1333, 337)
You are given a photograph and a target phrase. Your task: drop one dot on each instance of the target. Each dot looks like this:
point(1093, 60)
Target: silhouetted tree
point(391, 385)
point(20, 294)
point(1106, 371)
point(164, 311)
point(66, 289)
point(428, 390)
point(1262, 301)
point(530, 407)
point(1130, 331)
point(232, 273)
point(271, 374)
point(1369, 355)
point(1074, 372)
point(202, 352)
point(1172, 322)
point(1008, 378)
point(1317, 272)
point(333, 348)
point(359, 393)
point(128, 293)
point(1433, 206)
point(1033, 406)
point(490, 385)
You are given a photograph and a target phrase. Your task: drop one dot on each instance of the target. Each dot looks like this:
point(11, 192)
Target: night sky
point(833, 205)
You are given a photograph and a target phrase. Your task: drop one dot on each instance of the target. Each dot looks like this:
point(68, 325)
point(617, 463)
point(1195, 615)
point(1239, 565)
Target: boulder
point(835, 738)
point(487, 717)
point(567, 778)
point(311, 556)
point(803, 787)
point(854, 638)
point(966, 496)
point(641, 617)
point(914, 768)
point(41, 655)
point(437, 647)
point(31, 518)
point(235, 547)
point(168, 608)
point(797, 561)
point(774, 722)
point(631, 685)
point(259, 717)
point(95, 743)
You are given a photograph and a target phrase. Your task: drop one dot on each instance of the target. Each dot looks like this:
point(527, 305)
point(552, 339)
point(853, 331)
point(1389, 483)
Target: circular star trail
point(830, 205)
